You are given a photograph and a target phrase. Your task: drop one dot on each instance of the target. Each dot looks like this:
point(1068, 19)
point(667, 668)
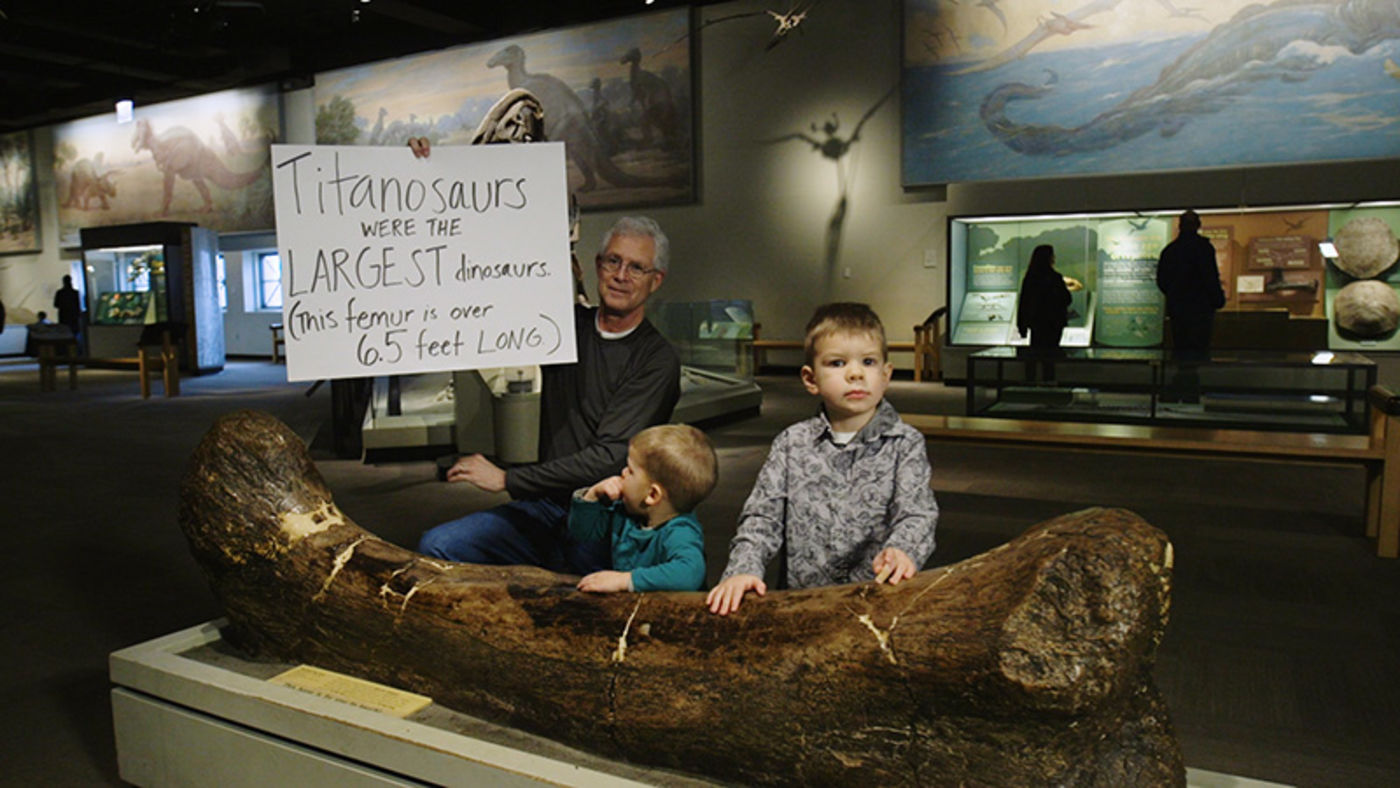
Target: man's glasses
point(612, 263)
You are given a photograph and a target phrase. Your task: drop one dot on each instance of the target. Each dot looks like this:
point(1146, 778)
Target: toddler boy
point(647, 513)
point(848, 489)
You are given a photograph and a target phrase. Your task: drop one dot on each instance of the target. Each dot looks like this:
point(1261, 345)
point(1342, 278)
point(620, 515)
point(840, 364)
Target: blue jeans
point(519, 533)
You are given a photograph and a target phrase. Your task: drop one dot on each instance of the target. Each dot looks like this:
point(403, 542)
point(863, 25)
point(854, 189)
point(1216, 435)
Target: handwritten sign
point(393, 264)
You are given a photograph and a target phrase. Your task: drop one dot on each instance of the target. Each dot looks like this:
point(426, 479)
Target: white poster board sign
point(393, 264)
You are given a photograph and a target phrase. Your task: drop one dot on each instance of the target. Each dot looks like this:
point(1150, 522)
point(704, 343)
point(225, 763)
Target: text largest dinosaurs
point(1253, 46)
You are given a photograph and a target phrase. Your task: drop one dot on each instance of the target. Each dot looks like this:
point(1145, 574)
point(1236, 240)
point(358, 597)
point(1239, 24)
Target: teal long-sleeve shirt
point(669, 557)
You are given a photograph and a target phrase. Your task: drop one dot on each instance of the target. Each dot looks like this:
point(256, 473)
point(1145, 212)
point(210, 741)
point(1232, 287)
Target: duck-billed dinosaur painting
point(1053, 87)
point(617, 94)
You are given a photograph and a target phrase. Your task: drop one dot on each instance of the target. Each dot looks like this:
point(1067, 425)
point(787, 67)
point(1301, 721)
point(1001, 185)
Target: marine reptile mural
point(1260, 43)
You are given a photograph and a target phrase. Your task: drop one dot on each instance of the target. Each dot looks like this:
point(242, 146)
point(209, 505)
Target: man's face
point(626, 273)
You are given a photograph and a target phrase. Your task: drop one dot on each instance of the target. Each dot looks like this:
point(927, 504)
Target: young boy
point(848, 489)
point(647, 513)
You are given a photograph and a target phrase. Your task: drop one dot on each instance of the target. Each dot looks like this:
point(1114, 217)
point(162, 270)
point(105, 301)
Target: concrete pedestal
point(188, 710)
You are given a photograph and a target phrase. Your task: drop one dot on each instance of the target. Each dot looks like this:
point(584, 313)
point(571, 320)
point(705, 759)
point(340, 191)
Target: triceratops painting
point(202, 160)
point(999, 90)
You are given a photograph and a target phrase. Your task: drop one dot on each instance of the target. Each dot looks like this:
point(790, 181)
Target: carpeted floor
point(1280, 662)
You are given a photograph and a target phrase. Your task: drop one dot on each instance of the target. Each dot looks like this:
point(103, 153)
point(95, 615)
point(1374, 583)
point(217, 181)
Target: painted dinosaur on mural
point(566, 120)
point(86, 183)
point(179, 152)
point(1283, 41)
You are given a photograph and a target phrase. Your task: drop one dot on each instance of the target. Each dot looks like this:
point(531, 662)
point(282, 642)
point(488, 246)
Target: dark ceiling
point(61, 60)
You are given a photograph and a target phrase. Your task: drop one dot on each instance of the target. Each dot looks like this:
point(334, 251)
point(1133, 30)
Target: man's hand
point(724, 598)
point(893, 565)
point(479, 471)
point(606, 582)
point(421, 147)
point(609, 489)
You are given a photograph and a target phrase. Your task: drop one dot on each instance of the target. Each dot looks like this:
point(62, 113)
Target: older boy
point(647, 513)
point(848, 489)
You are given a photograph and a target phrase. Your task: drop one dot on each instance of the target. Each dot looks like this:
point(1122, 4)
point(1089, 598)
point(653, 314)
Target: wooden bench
point(50, 358)
point(1378, 451)
point(926, 347)
point(278, 341)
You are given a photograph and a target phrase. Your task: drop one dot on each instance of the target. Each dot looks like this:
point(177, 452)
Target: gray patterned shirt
point(839, 506)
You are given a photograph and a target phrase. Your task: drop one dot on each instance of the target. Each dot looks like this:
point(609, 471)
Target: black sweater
point(590, 409)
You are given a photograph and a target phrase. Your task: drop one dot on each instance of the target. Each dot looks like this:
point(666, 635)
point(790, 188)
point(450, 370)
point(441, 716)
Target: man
point(69, 306)
point(627, 378)
point(1189, 278)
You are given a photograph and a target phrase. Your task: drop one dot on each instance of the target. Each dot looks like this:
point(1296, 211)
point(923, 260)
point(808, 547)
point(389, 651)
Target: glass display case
point(1327, 272)
point(138, 275)
point(711, 335)
point(1321, 391)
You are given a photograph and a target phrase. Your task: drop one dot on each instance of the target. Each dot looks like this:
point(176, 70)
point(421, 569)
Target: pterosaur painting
point(997, 91)
point(616, 93)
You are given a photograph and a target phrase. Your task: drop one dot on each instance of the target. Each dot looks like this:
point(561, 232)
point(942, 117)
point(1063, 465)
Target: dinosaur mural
point(86, 183)
point(1258, 44)
point(566, 120)
point(179, 152)
point(652, 96)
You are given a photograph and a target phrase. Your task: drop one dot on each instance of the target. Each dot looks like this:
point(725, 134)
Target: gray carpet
point(1280, 663)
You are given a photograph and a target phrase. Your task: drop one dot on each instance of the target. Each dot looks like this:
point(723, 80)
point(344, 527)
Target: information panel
point(393, 264)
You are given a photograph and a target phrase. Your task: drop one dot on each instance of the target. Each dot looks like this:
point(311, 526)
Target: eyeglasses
point(612, 263)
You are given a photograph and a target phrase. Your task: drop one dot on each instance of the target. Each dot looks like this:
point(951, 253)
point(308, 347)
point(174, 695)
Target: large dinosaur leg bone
point(1029, 664)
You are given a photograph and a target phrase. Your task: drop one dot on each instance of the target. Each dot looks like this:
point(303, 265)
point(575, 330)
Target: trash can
point(517, 423)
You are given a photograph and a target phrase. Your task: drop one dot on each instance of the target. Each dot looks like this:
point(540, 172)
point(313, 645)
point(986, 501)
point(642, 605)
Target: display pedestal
point(187, 710)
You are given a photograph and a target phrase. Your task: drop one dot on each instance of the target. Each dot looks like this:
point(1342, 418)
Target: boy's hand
point(609, 488)
point(894, 565)
point(422, 147)
point(606, 582)
point(724, 598)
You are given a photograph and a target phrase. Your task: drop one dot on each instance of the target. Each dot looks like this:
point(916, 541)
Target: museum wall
point(769, 223)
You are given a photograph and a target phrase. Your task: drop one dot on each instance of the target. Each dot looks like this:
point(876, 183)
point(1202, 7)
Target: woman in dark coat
point(1043, 308)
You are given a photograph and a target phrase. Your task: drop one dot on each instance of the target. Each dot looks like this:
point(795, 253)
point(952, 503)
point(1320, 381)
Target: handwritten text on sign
point(392, 264)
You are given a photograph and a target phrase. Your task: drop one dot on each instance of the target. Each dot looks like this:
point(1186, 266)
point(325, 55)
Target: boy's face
point(850, 374)
point(636, 483)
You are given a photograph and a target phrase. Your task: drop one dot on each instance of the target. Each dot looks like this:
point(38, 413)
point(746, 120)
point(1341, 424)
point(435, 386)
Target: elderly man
point(627, 378)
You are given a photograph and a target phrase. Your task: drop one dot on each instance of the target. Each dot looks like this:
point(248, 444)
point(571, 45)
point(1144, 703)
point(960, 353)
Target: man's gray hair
point(647, 227)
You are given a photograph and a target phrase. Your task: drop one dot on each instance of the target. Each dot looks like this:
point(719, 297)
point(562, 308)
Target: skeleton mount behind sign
point(516, 117)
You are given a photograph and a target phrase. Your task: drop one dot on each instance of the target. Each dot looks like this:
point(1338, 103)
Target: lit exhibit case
point(155, 273)
point(1295, 277)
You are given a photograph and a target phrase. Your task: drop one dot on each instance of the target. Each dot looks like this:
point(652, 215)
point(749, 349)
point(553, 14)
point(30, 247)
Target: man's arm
point(646, 398)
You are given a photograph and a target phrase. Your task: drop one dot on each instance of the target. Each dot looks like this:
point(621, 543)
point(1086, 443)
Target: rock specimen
point(1030, 664)
point(1367, 308)
point(1366, 246)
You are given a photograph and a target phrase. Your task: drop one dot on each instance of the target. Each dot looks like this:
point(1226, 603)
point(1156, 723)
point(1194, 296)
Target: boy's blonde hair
point(680, 459)
point(843, 316)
